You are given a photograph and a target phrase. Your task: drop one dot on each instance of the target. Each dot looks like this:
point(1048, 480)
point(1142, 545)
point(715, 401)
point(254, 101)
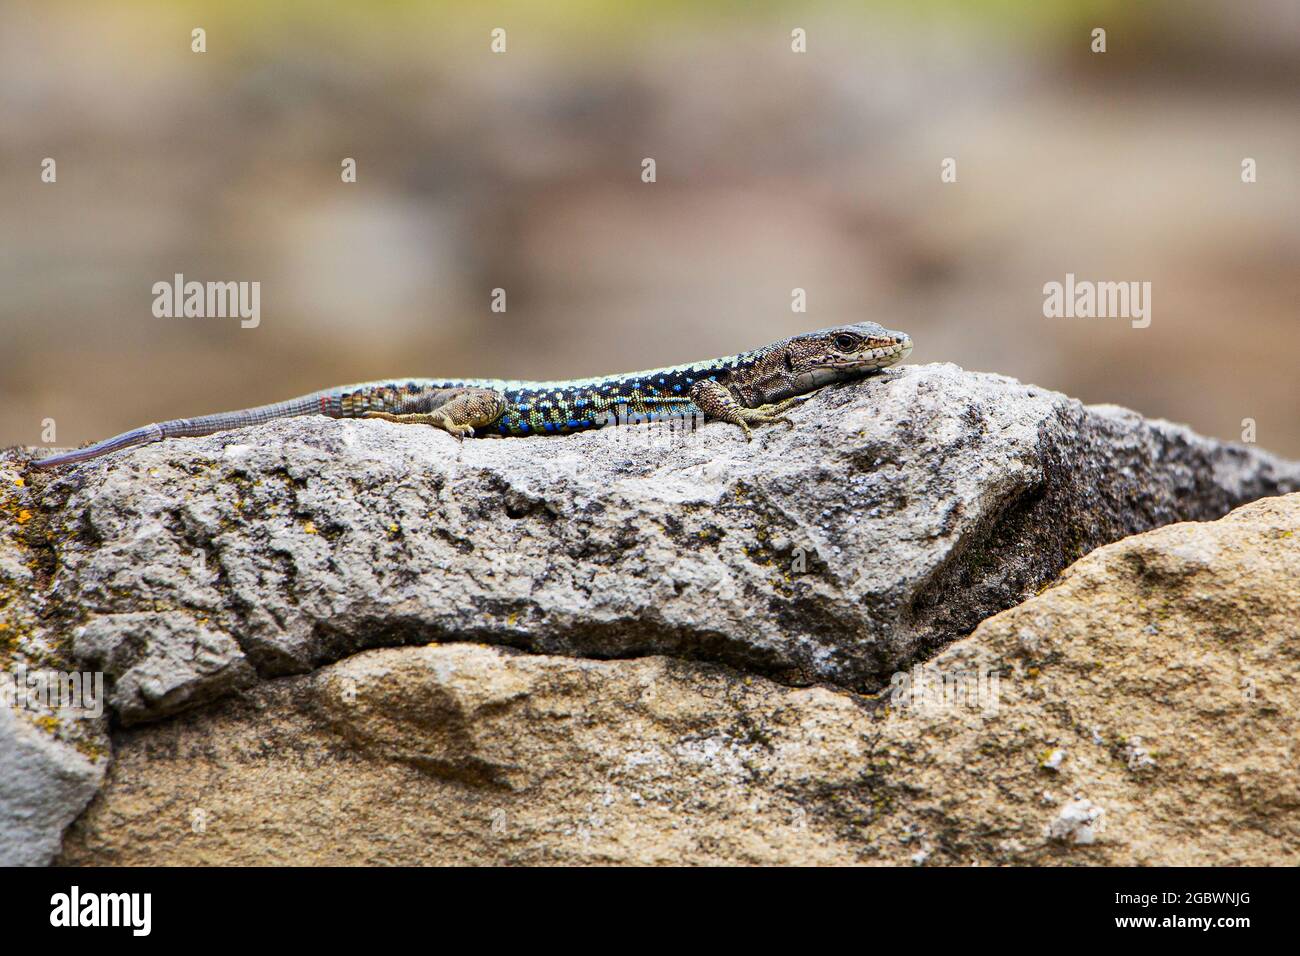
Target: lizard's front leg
point(716, 401)
point(458, 411)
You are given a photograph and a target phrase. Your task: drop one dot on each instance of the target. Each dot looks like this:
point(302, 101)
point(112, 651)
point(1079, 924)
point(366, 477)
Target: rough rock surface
point(51, 762)
point(1146, 710)
point(44, 783)
point(899, 513)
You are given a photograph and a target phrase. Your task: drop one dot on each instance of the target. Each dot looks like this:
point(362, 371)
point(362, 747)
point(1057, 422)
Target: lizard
point(748, 389)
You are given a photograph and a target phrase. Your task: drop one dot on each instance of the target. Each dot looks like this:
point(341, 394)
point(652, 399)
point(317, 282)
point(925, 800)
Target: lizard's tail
point(328, 402)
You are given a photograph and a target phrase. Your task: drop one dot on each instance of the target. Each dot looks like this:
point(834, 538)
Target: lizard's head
point(845, 351)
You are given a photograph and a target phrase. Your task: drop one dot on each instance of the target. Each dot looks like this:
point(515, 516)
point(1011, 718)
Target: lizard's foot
point(436, 419)
point(457, 414)
point(780, 407)
point(390, 417)
point(760, 416)
point(717, 402)
point(746, 417)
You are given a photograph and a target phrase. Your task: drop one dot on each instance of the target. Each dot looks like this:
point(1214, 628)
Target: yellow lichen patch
point(91, 749)
point(47, 723)
point(309, 527)
point(24, 516)
point(19, 482)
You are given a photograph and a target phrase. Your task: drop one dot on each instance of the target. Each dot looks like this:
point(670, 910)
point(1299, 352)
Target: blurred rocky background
point(522, 171)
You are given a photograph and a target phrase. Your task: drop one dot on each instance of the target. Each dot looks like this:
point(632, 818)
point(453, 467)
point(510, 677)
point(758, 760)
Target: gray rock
point(161, 660)
point(52, 761)
point(899, 513)
point(44, 784)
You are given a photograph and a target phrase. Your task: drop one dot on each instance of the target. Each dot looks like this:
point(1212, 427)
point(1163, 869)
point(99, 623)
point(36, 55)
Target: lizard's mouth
point(882, 356)
point(837, 370)
point(895, 352)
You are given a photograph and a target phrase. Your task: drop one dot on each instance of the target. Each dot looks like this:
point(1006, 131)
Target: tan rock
point(1143, 710)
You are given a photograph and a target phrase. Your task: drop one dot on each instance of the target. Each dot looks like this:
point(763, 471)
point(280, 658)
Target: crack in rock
point(898, 514)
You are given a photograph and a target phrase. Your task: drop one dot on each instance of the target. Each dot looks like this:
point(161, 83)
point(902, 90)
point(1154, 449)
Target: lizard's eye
point(845, 342)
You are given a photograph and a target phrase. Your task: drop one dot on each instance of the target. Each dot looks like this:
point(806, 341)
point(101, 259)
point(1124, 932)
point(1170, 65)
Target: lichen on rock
point(304, 606)
point(900, 513)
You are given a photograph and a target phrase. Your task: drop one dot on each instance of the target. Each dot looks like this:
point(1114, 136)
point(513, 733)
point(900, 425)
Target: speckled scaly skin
point(751, 388)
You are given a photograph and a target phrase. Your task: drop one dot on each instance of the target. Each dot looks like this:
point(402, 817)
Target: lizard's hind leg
point(455, 410)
